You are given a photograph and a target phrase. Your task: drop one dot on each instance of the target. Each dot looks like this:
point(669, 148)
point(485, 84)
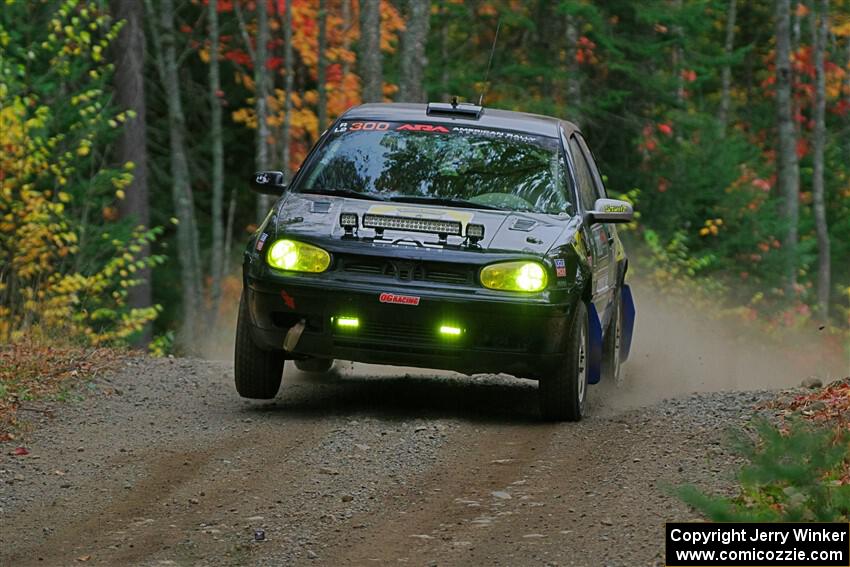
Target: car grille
point(437, 272)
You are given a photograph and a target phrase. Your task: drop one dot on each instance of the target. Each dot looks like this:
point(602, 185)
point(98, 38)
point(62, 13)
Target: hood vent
point(525, 225)
point(321, 207)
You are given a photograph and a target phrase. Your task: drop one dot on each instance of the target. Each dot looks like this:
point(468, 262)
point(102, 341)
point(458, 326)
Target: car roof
point(489, 118)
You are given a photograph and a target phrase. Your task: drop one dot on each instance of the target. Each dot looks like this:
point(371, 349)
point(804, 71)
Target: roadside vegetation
point(795, 470)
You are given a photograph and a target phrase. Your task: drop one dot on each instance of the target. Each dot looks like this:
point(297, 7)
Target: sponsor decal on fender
point(398, 299)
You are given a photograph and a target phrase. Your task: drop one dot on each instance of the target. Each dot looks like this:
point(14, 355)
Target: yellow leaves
point(64, 197)
point(204, 54)
point(120, 194)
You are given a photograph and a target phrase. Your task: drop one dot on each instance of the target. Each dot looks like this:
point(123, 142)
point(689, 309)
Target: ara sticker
point(560, 268)
point(398, 299)
point(422, 128)
point(261, 241)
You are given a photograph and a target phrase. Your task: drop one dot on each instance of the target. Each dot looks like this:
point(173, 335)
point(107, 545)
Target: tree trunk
point(788, 174)
point(217, 252)
point(726, 74)
point(370, 51)
point(261, 92)
point(181, 189)
point(821, 227)
point(413, 58)
point(444, 52)
point(321, 75)
point(346, 34)
point(129, 57)
point(573, 78)
point(289, 69)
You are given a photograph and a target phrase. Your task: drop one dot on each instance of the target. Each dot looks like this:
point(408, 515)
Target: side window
point(594, 171)
point(584, 178)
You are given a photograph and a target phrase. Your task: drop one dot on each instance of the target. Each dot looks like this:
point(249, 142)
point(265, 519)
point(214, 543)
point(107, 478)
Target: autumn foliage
point(65, 265)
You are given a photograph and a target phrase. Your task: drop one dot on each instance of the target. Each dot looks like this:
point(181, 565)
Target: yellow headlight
point(297, 256)
point(515, 276)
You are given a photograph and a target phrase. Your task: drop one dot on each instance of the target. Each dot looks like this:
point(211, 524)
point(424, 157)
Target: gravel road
point(161, 463)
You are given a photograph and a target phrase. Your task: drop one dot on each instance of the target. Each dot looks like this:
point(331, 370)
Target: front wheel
point(258, 372)
point(563, 394)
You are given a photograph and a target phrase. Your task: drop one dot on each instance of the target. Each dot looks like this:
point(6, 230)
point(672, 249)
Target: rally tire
point(612, 373)
point(258, 372)
point(315, 365)
point(563, 394)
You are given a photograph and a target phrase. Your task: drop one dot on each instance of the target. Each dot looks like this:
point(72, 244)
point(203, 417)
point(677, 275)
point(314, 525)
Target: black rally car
point(443, 236)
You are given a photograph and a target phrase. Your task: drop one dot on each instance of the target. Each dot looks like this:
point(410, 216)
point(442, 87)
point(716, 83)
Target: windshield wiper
point(344, 193)
point(443, 201)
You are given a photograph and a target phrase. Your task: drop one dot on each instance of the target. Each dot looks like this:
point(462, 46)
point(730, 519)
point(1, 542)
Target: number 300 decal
point(380, 126)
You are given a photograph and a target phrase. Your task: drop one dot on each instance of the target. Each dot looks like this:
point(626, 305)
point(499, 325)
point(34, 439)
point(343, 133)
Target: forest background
point(129, 129)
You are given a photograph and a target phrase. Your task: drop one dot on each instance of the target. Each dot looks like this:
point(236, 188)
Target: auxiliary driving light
point(348, 322)
point(450, 331)
point(474, 232)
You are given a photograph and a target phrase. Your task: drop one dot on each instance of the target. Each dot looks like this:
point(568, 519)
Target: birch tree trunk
point(217, 253)
point(188, 251)
point(726, 74)
point(321, 74)
point(573, 79)
point(261, 91)
point(370, 51)
point(413, 58)
point(131, 146)
point(821, 227)
point(788, 173)
point(289, 69)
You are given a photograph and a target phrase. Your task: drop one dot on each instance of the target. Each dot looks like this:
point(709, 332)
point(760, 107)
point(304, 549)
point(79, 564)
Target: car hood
point(317, 216)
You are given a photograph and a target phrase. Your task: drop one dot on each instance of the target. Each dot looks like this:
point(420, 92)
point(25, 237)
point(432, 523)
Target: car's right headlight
point(515, 276)
point(295, 256)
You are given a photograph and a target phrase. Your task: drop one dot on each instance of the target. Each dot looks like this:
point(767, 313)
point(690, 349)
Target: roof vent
point(455, 108)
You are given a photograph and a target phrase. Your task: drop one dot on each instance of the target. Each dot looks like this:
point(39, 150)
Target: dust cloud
point(677, 350)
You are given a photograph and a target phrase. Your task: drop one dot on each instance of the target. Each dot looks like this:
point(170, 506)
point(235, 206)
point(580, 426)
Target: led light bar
point(411, 224)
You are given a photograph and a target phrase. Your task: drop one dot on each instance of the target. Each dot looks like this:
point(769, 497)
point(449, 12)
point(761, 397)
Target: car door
point(596, 235)
point(613, 243)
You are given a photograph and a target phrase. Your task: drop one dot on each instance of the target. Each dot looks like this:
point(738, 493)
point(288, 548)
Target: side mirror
point(268, 183)
point(610, 210)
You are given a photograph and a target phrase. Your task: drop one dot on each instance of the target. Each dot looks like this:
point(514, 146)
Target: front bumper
point(501, 332)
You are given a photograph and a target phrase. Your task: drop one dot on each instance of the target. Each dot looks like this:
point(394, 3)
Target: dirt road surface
point(162, 464)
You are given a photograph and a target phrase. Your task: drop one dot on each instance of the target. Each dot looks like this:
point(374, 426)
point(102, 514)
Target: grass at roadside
point(31, 371)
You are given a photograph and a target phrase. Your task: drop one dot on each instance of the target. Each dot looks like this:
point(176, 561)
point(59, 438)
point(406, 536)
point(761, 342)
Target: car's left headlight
point(297, 256)
point(515, 276)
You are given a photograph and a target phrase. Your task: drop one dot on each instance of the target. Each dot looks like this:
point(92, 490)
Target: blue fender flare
point(627, 304)
point(594, 327)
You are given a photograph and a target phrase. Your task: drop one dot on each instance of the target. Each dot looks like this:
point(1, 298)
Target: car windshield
point(492, 169)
